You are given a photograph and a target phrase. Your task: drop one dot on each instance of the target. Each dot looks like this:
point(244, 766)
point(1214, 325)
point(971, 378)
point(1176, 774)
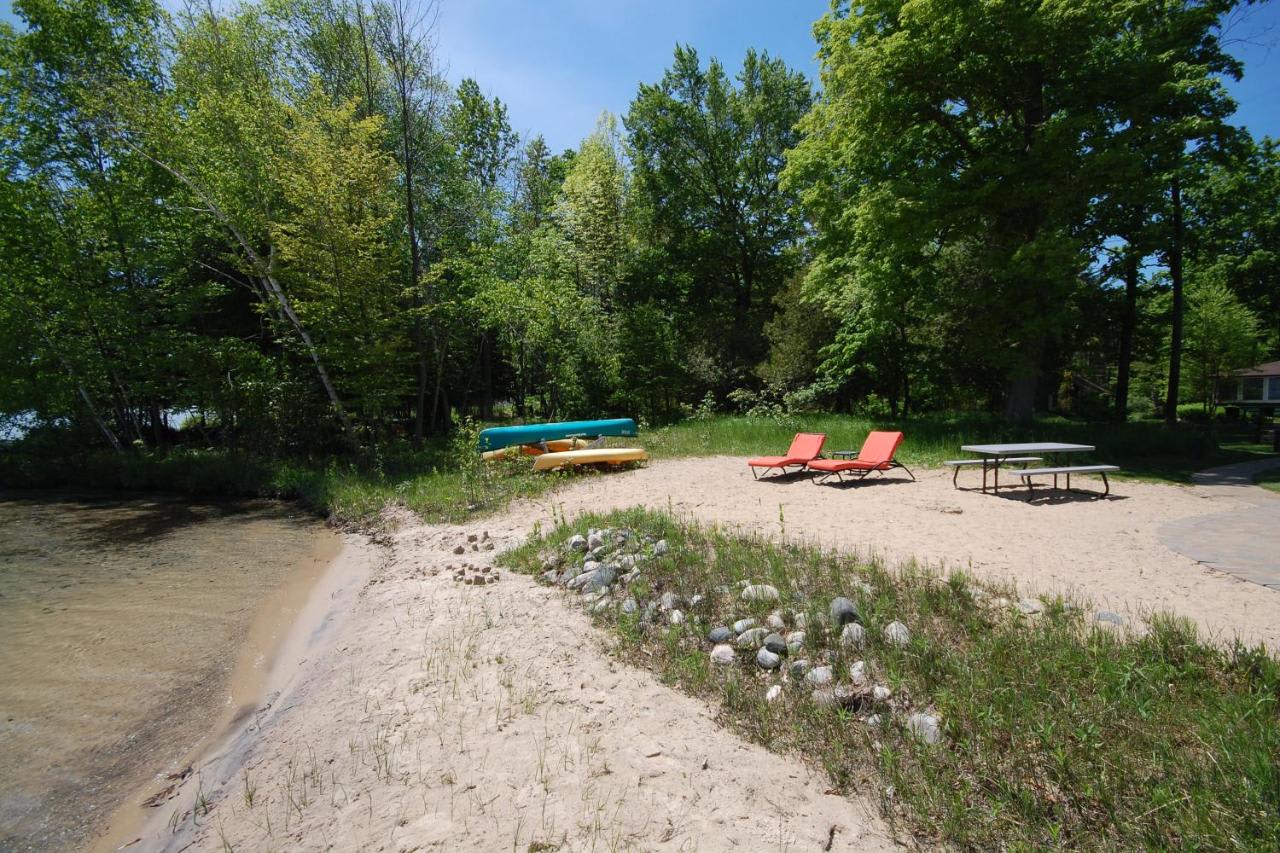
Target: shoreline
point(288, 627)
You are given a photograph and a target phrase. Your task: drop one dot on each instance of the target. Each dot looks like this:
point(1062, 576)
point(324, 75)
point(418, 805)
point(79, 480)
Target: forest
point(277, 227)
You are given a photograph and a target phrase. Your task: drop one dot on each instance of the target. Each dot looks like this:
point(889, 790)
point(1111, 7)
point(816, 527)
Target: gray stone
point(720, 634)
point(550, 577)
point(925, 726)
point(660, 548)
point(766, 659)
point(819, 676)
point(880, 693)
point(577, 543)
point(875, 721)
point(760, 592)
point(1110, 617)
point(896, 634)
point(580, 581)
point(776, 644)
point(853, 635)
point(594, 540)
point(795, 641)
point(800, 620)
point(1031, 606)
point(844, 612)
point(630, 607)
point(798, 668)
point(752, 638)
point(773, 694)
point(863, 587)
point(671, 601)
point(697, 601)
point(775, 621)
point(743, 624)
point(676, 617)
point(839, 696)
point(976, 593)
point(723, 654)
point(601, 606)
point(599, 553)
point(602, 577)
point(858, 672)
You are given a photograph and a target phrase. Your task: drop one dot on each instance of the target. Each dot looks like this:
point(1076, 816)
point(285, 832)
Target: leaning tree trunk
point(1175, 278)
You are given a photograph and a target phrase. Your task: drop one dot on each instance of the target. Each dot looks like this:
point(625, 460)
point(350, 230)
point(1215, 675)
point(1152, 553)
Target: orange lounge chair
point(805, 448)
point(876, 455)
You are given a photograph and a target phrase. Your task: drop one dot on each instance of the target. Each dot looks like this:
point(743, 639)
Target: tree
point(1221, 335)
point(719, 228)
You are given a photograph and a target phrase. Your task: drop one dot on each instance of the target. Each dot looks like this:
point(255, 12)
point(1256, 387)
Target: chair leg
point(913, 476)
point(954, 475)
point(1106, 483)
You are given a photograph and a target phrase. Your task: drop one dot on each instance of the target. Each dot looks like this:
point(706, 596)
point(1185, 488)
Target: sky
point(558, 64)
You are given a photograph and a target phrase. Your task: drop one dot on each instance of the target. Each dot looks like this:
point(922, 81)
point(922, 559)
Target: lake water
point(129, 627)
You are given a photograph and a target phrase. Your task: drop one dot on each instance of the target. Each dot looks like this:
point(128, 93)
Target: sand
point(427, 714)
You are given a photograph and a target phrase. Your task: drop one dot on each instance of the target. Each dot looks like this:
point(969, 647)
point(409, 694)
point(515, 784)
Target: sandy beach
point(414, 712)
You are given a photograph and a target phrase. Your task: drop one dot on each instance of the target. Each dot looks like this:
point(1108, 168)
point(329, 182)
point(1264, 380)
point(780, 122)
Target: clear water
point(121, 624)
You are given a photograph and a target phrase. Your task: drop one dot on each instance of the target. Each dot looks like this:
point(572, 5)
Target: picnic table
point(994, 455)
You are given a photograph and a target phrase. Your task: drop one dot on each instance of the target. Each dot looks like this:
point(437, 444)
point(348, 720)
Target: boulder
point(844, 612)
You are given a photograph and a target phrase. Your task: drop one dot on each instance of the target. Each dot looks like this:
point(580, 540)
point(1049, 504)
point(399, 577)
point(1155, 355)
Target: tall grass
point(1058, 731)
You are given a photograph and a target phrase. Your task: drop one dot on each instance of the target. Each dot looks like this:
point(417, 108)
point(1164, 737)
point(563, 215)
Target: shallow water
point(121, 624)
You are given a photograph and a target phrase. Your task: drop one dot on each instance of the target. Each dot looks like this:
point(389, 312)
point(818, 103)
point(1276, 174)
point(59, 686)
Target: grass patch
point(1057, 731)
point(1269, 479)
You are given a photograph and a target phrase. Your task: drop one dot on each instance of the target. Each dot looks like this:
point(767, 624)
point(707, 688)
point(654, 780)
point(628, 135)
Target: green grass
point(443, 483)
point(1058, 732)
point(1269, 479)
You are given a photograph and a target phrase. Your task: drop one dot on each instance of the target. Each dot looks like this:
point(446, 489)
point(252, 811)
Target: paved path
point(1245, 541)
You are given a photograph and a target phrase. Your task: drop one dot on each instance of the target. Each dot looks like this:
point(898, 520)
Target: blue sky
point(559, 63)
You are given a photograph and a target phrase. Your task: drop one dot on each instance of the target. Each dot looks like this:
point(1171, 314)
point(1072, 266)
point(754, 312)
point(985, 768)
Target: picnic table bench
point(993, 456)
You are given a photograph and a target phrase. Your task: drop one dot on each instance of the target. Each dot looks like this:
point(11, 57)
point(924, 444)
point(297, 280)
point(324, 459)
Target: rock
point(773, 694)
point(742, 625)
point(880, 693)
point(766, 659)
point(591, 565)
point(723, 654)
point(875, 721)
point(676, 617)
point(550, 577)
point(471, 537)
point(459, 550)
point(798, 668)
point(660, 548)
point(925, 726)
point(598, 553)
point(776, 644)
point(602, 577)
point(800, 620)
point(752, 638)
point(819, 676)
point(580, 581)
point(853, 635)
point(697, 601)
point(977, 593)
point(486, 546)
point(626, 561)
point(840, 696)
point(844, 612)
point(863, 587)
point(600, 606)
point(630, 607)
point(760, 592)
point(795, 642)
point(594, 540)
point(670, 601)
point(999, 603)
point(720, 634)
point(775, 621)
point(484, 537)
point(577, 543)
point(1031, 606)
point(1109, 617)
point(858, 672)
point(896, 634)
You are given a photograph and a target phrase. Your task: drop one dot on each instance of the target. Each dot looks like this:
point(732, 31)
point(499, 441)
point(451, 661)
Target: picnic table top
point(1026, 447)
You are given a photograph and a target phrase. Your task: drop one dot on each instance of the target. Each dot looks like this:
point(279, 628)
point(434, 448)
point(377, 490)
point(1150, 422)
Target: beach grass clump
point(976, 718)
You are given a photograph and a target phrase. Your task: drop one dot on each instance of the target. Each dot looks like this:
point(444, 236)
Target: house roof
point(1271, 368)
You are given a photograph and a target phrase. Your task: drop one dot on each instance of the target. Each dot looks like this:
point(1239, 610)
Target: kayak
point(498, 437)
point(594, 456)
point(516, 450)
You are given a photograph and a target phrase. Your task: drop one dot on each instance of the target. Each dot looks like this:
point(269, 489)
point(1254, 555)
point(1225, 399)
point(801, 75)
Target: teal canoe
point(495, 438)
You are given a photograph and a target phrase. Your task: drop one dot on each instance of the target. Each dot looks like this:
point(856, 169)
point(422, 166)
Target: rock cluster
point(474, 575)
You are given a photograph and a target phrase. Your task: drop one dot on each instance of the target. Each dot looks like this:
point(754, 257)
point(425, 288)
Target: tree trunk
point(1175, 277)
point(1128, 322)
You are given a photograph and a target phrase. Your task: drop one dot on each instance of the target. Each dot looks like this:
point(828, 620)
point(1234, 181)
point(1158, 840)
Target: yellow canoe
point(515, 450)
point(594, 456)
